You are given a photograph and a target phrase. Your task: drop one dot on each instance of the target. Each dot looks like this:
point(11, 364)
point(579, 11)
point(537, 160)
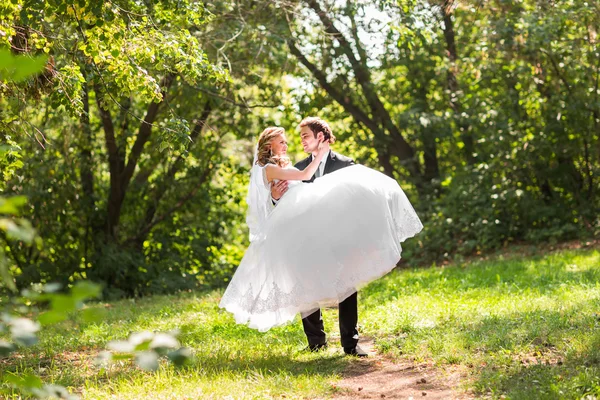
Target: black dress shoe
point(316, 347)
point(355, 351)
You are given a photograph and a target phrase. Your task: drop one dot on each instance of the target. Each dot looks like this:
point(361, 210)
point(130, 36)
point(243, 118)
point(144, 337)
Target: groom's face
point(310, 143)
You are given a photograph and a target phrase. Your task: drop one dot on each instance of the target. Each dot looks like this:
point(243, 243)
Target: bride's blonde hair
point(264, 155)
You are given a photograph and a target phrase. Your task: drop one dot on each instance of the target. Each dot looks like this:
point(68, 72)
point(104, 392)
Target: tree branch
point(557, 70)
point(343, 100)
point(405, 152)
point(144, 133)
point(455, 105)
point(161, 188)
point(109, 136)
point(180, 203)
point(232, 101)
point(354, 29)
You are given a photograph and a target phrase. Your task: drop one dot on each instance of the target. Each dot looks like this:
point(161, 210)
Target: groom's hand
point(278, 189)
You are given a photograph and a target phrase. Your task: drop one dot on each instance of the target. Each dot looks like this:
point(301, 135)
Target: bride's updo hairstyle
point(264, 154)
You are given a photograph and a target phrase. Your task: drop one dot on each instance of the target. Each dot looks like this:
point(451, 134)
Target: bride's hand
point(323, 147)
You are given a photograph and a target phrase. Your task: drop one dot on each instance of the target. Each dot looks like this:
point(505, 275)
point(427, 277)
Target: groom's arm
point(279, 189)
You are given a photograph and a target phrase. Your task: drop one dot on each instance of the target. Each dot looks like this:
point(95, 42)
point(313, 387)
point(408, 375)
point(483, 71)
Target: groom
point(311, 130)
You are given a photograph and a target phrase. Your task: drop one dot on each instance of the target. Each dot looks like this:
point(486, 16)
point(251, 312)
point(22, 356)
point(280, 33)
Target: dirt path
point(377, 377)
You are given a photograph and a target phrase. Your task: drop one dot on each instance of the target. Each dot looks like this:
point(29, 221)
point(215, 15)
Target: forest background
point(129, 154)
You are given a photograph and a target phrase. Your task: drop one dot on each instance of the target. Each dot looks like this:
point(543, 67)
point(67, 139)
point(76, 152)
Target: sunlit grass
point(524, 327)
point(229, 359)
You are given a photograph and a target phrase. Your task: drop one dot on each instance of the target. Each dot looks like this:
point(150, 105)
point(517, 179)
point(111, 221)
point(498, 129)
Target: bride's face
point(279, 145)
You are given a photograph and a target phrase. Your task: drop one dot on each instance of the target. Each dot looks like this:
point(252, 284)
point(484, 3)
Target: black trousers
point(348, 316)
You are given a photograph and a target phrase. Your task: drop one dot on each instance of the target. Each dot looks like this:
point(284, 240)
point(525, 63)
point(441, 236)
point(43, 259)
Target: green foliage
point(146, 348)
point(18, 68)
point(13, 69)
point(10, 161)
point(120, 59)
point(23, 330)
point(504, 130)
point(480, 210)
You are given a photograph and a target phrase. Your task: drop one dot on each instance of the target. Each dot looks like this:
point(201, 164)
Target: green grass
point(229, 359)
point(522, 327)
point(525, 327)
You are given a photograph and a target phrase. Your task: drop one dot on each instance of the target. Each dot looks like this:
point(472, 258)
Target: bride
point(320, 243)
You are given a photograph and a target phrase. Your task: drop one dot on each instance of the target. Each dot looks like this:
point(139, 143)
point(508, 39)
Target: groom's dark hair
point(317, 125)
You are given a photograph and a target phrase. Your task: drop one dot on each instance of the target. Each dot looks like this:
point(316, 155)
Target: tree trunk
point(114, 166)
point(121, 173)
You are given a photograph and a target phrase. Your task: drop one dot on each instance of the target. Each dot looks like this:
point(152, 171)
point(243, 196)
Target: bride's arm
point(287, 174)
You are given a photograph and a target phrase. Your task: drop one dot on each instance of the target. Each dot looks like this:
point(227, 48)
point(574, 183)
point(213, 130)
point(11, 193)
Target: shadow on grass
point(206, 365)
point(575, 375)
point(274, 364)
point(540, 354)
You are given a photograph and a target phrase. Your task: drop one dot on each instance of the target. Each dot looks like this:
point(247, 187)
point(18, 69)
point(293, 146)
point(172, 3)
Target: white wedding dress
point(322, 242)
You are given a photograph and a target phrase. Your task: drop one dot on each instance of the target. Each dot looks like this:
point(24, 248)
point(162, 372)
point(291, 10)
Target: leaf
point(164, 341)
point(56, 391)
point(52, 287)
point(103, 358)
point(141, 340)
point(52, 317)
point(25, 339)
point(24, 325)
point(83, 290)
point(63, 303)
point(28, 381)
point(21, 231)
point(180, 356)
point(6, 348)
point(163, 146)
point(18, 68)
point(123, 356)
point(11, 205)
point(93, 314)
point(121, 346)
point(147, 360)
point(5, 273)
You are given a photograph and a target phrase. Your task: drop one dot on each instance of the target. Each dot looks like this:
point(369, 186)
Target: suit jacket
point(334, 162)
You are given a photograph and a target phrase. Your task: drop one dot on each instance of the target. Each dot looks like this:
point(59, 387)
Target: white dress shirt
point(321, 168)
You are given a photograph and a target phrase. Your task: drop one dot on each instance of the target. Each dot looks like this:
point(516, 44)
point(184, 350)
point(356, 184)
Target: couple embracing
point(319, 230)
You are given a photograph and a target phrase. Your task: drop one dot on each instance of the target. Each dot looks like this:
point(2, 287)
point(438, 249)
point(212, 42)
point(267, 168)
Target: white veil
point(258, 199)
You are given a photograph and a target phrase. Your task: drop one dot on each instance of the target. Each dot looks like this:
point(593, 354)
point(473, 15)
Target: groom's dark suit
point(348, 309)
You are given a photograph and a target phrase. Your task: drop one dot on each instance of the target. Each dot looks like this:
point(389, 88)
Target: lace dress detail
point(322, 242)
